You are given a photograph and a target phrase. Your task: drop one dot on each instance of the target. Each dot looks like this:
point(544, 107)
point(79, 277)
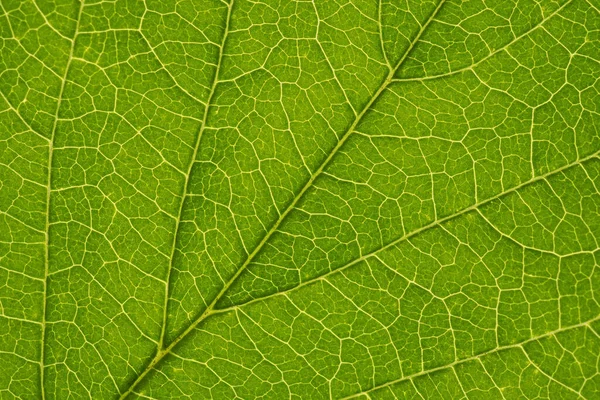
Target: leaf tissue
point(239, 199)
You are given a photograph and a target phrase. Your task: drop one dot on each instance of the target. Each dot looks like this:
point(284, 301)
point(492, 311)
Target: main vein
point(208, 311)
point(48, 193)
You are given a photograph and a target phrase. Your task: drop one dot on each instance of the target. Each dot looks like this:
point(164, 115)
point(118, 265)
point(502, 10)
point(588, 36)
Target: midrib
point(209, 310)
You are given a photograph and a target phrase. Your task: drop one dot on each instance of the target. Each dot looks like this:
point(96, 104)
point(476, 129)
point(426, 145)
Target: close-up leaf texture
point(239, 199)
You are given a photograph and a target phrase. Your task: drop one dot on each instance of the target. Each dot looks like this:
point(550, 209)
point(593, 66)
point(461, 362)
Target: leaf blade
point(291, 199)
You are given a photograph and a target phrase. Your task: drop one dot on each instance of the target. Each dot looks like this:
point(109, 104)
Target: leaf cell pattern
point(299, 199)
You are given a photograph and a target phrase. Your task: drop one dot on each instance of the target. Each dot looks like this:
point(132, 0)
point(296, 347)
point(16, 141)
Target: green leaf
point(299, 199)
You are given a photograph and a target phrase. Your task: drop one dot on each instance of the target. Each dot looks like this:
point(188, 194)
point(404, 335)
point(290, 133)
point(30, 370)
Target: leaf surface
point(300, 199)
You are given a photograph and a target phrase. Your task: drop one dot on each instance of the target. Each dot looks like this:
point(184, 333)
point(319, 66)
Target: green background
point(299, 199)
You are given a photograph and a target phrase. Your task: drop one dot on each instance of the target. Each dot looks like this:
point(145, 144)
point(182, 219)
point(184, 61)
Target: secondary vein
point(475, 357)
point(491, 54)
point(160, 350)
point(189, 171)
point(48, 193)
point(416, 232)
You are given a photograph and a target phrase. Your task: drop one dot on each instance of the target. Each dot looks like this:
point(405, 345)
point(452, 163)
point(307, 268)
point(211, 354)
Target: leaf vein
point(519, 345)
point(164, 351)
point(415, 232)
point(48, 194)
